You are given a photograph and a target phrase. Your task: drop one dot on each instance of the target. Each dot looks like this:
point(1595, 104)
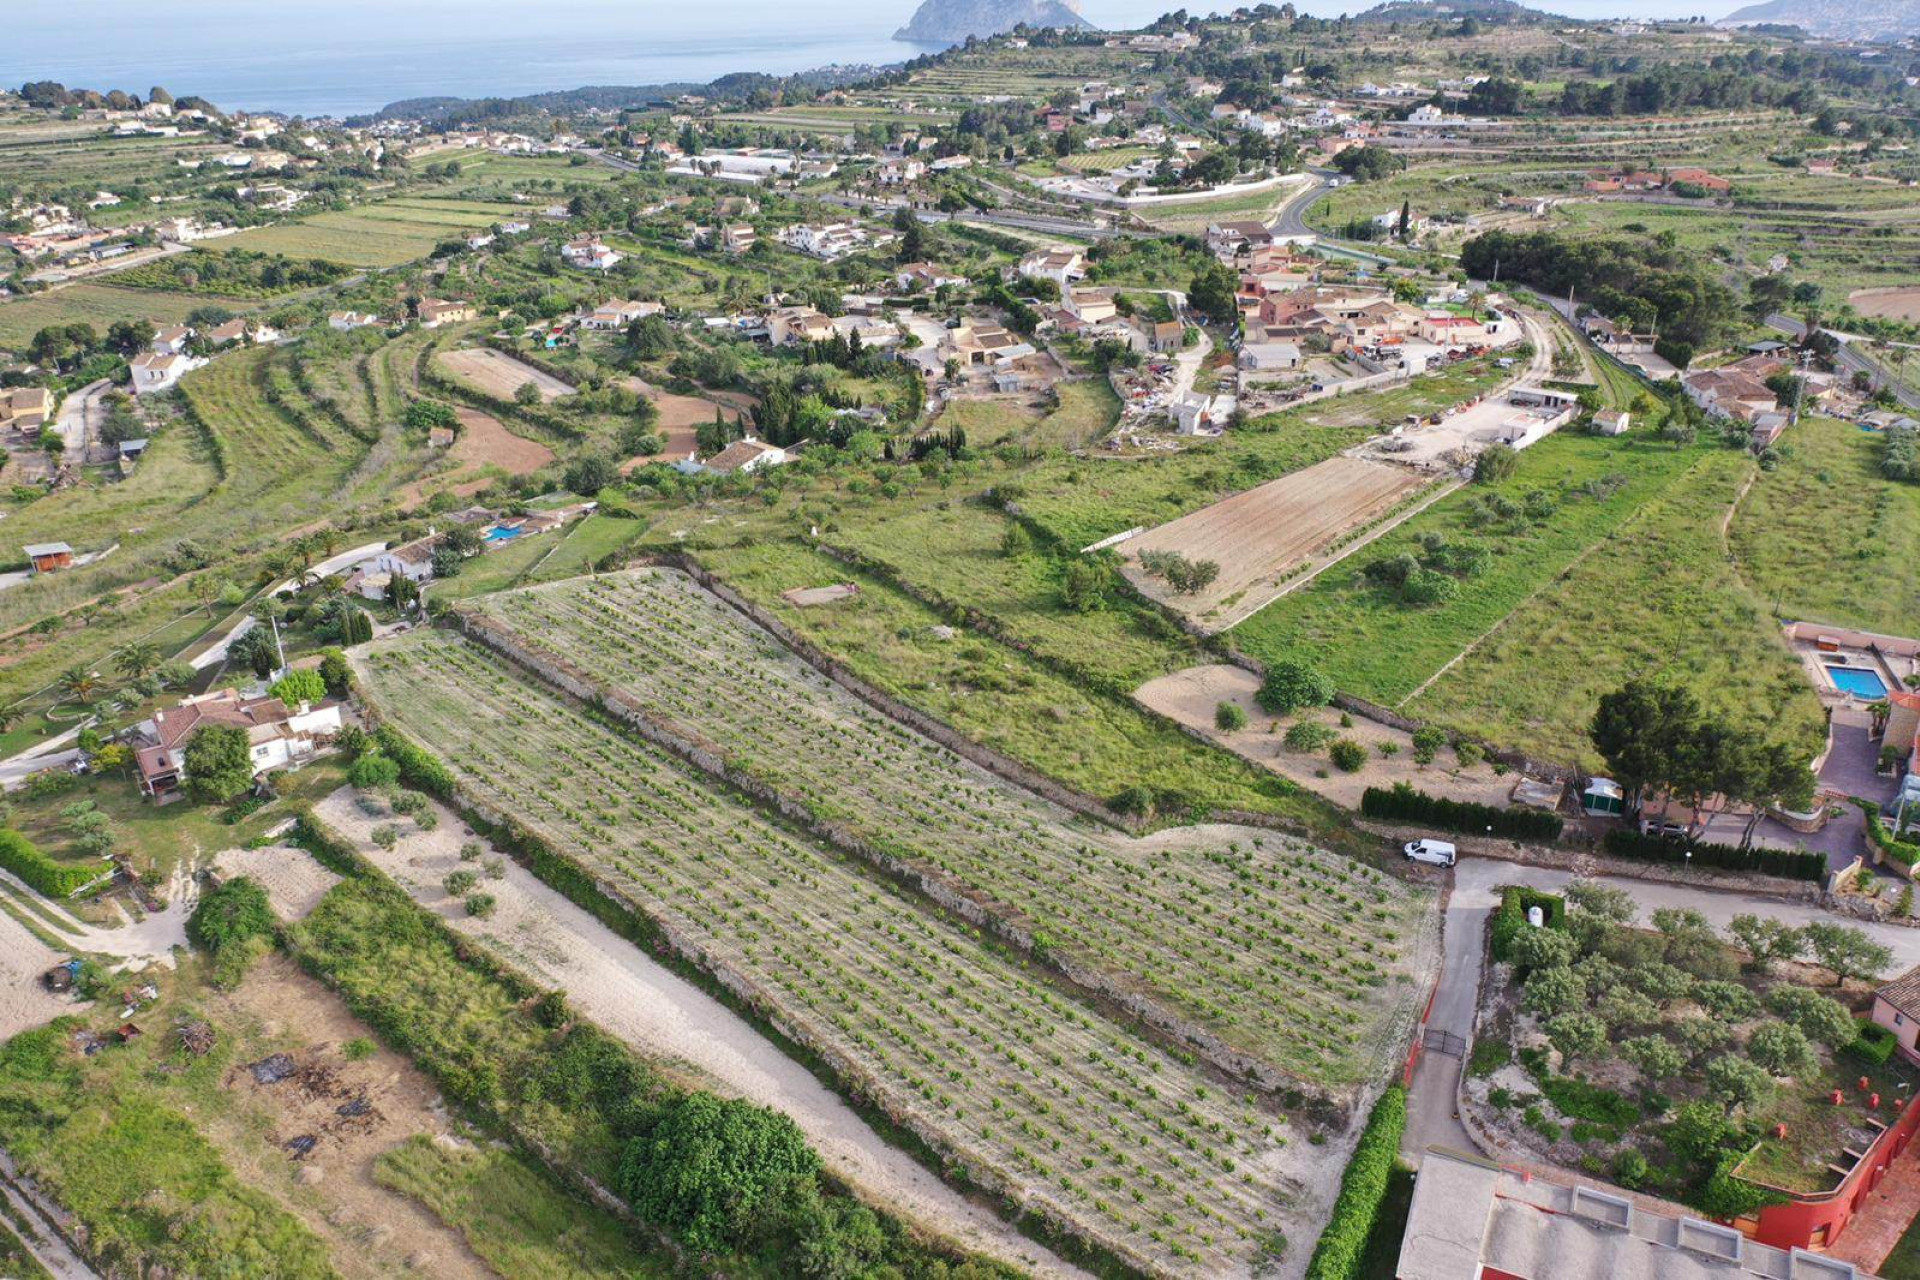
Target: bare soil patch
point(499, 374)
point(1192, 697)
point(682, 416)
point(24, 1003)
point(1902, 303)
point(1261, 536)
point(294, 882)
point(370, 1231)
point(484, 442)
point(804, 596)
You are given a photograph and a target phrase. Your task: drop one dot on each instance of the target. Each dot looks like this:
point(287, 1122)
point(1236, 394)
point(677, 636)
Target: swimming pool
point(1858, 682)
point(497, 534)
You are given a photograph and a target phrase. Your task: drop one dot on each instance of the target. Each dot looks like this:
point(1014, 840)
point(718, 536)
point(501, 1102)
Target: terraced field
point(1296, 959)
point(382, 234)
point(99, 305)
point(993, 1067)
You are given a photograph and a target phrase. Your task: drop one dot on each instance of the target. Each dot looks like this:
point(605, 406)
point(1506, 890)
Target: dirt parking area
point(1192, 697)
point(24, 1003)
point(354, 1112)
point(499, 374)
point(1260, 537)
point(1888, 304)
point(294, 882)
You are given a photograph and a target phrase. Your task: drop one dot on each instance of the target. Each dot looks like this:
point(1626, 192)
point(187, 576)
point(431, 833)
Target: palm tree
point(9, 717)
point(78, 683)
point(137, 660)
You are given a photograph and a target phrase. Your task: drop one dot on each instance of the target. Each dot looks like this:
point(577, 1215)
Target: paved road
point(1851, 359)
point(1476, 881)
point(217, 651)
point(1293, 215)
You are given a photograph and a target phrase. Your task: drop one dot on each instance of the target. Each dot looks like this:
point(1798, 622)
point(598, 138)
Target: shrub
point(1362, 1190)
point(1347, 755)
point(297, 687)
point(1511, 918)
point(1427, 742)
point(1403, 803)
point(335, 672)
point(707, 1168)
point(459, 882)
point(374, 771)
point(219, 763)
point(230, 913)
point(481, 905)
point(1307, 735)
point(1873, 1044)
point(417, 767)
point(470, 849)
point(55, 879)
point(358, 1049)
point(1229, 716)
point(1629, 1168)
point(1290, 686)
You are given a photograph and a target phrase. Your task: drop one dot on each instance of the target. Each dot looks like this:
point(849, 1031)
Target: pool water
point(1859, 683)
point(502, 535)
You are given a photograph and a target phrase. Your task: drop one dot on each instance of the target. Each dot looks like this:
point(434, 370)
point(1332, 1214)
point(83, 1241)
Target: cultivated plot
point(1250, 946)
point(1261, 537)
point(998, 1071)
point(500, 375)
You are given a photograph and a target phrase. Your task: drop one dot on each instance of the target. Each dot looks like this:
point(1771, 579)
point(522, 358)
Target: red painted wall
point(1793, 1225)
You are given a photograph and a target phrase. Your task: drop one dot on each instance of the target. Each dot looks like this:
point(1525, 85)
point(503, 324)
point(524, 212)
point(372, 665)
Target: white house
point(618, 315)
point(826, 240)
point(588, 253)
point(479, 239)
point(1062, 266)
point(171, 340)
point(1611, 422)
point(411, 560)
point(157, 371)
point(346, 320)
point(278, 736)
point(745, 455)
point(515, 227)
point(1090, 306)
point(1263, 357)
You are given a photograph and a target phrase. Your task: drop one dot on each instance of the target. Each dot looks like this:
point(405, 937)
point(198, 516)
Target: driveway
point(80, 417)
point(1431, 1102)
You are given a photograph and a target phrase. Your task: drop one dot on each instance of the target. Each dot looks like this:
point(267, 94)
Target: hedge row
point(1404, 804)
point(1362, 1190)
point(1874, 1045)
point(55, 879)
point(1789, 863)
point(1511, 918)
point(1904, 852)
point(418, 769)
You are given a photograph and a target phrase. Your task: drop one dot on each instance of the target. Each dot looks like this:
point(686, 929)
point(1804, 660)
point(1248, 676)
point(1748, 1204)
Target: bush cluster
point(1791, 864)
point(1362, 1190)
point(1874, 1045)
point(1403, 803)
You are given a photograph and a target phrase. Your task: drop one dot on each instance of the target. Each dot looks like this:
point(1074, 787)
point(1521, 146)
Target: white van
point(1435, 852)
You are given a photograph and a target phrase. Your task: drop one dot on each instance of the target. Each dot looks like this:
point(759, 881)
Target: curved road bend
point(1431, 1103)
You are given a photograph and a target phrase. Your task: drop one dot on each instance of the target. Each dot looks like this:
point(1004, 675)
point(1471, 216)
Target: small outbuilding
point(46, 557)
point(1603, 798)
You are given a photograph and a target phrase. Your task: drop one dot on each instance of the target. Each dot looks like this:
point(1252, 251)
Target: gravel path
point(666, 1017)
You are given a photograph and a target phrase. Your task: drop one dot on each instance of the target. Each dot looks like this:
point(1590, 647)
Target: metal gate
point(1446, 1042)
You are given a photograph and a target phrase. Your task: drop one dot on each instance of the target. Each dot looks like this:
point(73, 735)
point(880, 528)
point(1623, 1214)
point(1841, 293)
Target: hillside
point(946, 22)
point(1835, 19)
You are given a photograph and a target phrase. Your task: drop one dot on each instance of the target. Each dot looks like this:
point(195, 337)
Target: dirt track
point(611, 981)
point(1260, 536)
point(499, 374)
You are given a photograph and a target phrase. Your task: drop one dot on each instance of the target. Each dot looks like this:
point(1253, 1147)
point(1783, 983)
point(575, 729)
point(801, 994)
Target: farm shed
point(45, 557)
point(1603, 798)
point(1262, 356)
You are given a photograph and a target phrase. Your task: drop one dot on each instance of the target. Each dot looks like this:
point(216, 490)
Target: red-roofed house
point(279, 736)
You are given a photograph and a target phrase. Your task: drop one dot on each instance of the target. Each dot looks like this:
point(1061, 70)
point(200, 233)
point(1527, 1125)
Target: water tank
point(1536, 917)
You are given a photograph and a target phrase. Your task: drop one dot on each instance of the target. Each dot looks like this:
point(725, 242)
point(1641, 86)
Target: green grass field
point(382, 234)
point(1658, 598)
point(99, 305)
point(1373, 646)
point(1827, 539)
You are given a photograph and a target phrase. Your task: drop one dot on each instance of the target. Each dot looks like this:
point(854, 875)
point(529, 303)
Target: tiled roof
point(1903, 993)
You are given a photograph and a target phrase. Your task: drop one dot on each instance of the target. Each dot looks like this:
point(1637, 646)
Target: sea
point(347, 57)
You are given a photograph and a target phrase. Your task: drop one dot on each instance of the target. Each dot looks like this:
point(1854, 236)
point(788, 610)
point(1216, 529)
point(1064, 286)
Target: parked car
point(1666, 830)
point(1437, 853)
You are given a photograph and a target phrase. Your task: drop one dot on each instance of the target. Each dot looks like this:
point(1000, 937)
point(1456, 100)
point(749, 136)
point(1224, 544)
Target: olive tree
point(1736, 1082)
point(1817, 1017)
point(1657, 1056)
point(1767, 940)
point(1848, 951)
point(1553, 991)
point(1781, 1049)
point(1576, 1035)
